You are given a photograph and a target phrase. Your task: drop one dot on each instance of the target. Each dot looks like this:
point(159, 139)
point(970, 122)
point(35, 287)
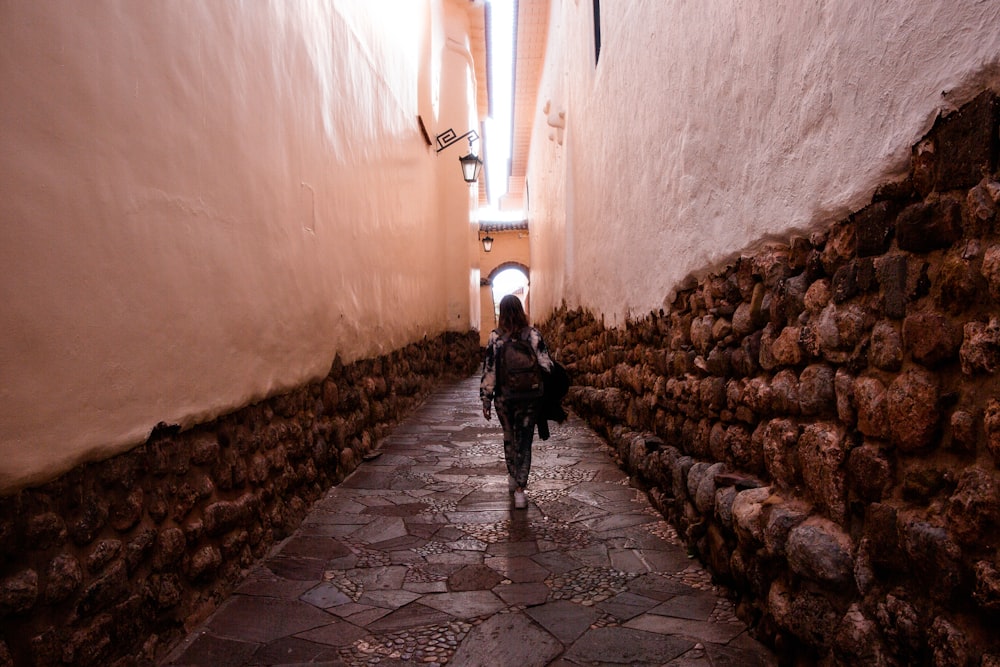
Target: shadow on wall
point(821, 420)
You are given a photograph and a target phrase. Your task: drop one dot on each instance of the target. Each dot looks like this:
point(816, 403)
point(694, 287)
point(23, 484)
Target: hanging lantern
point(471, 166)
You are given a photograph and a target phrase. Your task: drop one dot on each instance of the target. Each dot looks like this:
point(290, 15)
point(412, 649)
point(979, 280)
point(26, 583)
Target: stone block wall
point(821, 418)
point(112, 562)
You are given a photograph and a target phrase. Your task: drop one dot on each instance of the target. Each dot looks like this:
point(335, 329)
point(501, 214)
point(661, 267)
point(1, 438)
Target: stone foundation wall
point(821, 419)
point(115, 560)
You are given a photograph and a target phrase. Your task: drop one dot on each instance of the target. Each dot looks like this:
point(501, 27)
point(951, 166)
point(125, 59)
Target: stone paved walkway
point(419, 558)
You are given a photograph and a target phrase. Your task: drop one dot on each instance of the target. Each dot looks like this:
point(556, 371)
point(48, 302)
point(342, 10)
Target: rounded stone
point(931, 338)
point(852, 324)
point(102, 554)
point(204, 448)
point(785, 349)
point(45, 530)
point(822, 450)
point(870, 471)
point(980, 349)
point(724, 498)
point(901, 622)
point(785, 392)
point(949, 645)
point(680, 472)
point(987, 591)
point(127, 511)
point(958, 281)
point(803, 612)
point(740, 446)
point(974, 507)
point(912, 410)
point(780, 438)
point(932, 556)
point(90, 519)
point(819, 550)
point(991, 426)
point(991, 270)
point(63, 577)
point(858, 638)
point(742, 319)
point(981, 203)
point(205, 560)
point(695, 475)
point(701, 333)
point(781, 519)
point(817, 394)
point(870, 399)
point(18, 592)
point(766, 358)
point(963, 430)
point(747, 510)
point(704, 495)
point(818, 296)
point(170, 545)
point(886, 351)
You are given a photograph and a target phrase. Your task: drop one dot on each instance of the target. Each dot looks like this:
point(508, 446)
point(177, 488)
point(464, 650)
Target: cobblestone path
point(419, 558)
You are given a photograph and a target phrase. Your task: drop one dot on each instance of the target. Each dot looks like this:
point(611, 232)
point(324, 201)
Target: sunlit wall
point(203, 203)
point(707, 127)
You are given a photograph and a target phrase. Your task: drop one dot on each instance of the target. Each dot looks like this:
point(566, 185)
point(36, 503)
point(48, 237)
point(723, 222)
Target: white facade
point(708, 127)
point(203, 203)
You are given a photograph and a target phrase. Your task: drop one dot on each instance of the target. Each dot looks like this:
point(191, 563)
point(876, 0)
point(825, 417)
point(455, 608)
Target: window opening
point(597, 31)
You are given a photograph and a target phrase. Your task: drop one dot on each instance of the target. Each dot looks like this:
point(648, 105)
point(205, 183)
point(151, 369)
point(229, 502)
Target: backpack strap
point(500, 370)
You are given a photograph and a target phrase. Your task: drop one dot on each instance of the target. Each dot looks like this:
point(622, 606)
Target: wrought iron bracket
point(448, 138)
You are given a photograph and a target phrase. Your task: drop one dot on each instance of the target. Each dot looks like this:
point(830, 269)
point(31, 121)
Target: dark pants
point(518, 422)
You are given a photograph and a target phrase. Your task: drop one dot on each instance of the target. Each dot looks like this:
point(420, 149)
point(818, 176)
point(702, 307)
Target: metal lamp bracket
point(448, 138)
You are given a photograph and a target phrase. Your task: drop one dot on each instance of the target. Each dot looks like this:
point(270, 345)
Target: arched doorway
point(507, 278)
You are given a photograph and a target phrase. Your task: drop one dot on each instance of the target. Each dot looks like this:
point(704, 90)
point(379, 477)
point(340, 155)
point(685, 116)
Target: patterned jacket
point(488, 384)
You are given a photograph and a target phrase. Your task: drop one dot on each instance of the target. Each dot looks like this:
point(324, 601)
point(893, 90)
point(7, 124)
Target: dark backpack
point(519, 375)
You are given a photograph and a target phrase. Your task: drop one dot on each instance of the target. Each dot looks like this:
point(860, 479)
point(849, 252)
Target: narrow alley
point(420, 558)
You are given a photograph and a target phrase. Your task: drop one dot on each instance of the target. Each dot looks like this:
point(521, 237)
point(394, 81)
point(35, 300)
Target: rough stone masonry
point(112, 561)
point(821, 419)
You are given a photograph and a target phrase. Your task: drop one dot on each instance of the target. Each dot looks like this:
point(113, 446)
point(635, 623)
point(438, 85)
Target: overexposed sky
point(498, 126)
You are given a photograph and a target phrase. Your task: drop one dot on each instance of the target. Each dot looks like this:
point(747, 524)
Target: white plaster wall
point(710, 126)
point(203, 202)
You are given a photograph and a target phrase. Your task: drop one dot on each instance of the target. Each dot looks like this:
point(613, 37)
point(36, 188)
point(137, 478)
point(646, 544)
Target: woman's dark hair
point(512, 317)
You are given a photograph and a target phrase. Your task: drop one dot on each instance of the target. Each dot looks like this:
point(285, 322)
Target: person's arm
point(541, 352)
point(488, 383)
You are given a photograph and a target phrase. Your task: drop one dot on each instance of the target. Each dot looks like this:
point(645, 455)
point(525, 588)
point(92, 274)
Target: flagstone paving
point(419, 558)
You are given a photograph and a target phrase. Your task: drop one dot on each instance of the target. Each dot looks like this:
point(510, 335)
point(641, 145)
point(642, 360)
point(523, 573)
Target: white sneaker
point(520, 500)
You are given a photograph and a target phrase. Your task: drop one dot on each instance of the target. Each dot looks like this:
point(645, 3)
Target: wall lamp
point(471, 164)
point(487, 243)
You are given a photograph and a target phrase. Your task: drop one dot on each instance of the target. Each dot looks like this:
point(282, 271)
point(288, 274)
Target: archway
point(508, 278)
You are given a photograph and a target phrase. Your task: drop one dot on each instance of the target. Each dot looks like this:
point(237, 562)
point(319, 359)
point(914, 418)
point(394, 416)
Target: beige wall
point(709, 126)
point(202, 203)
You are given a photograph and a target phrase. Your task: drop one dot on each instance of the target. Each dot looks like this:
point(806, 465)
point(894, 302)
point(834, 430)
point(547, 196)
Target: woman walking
point(517, 409)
